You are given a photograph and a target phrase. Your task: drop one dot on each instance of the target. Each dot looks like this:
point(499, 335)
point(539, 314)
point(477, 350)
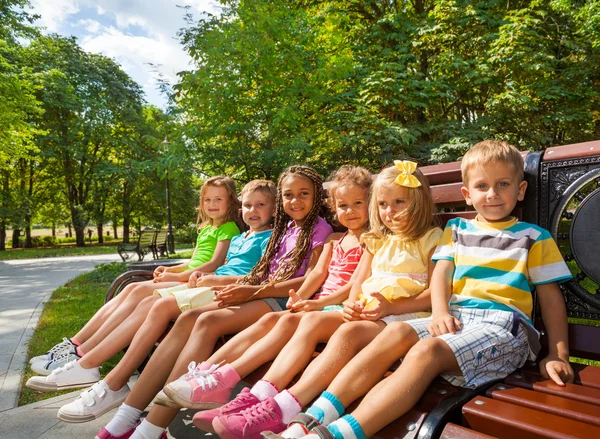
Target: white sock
point(146, 430)
point(125, 419)
point(264, 389)
point(289, 406)
point(326, 409)
point(346, 428)
point(294, 431)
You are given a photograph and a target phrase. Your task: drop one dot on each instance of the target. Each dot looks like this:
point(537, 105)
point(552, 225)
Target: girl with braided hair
point(295, 245)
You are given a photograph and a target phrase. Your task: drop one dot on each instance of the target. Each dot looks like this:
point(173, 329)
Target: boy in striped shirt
point(481, 292)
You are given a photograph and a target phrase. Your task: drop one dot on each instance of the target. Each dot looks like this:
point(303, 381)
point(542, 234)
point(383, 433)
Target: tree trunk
point(53, 229)
point(126, 212)
point(16, 234)
point(115, 224)
point(70, 234)
point(28, 240)
point(100, 233)
point(2, 236)
point(79, 236)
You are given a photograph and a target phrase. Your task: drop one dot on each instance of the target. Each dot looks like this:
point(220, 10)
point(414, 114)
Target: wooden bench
point(141, 248)
point(159, 246)
point(563, 196)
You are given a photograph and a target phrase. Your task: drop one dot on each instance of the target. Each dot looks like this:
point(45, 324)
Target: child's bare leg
point(154, 377)
point(345, 343)
point(235, 348)
point(399, 392)
point(212, 325)
point(120, 337)
point(102, 314)
point(269, 346)
point(208, 328)
point(139, 293)
point(159, 317)
point(362, 373)
point(315, 328)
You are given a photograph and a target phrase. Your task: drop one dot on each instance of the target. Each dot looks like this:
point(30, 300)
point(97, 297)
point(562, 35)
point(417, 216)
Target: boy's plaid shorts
point(491, 345)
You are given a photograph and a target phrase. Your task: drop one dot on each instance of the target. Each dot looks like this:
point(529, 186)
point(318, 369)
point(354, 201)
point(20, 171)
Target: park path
point(25, 285)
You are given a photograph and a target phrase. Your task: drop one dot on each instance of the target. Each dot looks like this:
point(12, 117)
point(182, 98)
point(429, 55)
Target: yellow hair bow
point(406, 177)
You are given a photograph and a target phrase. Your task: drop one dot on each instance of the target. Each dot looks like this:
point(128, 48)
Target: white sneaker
point(64, 346)
point(70, 376)
point(57, 361)
point(93, 403)
point(161, 398)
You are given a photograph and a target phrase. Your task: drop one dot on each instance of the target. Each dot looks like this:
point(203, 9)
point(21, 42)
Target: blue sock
point(346, 428)
point(326, 409)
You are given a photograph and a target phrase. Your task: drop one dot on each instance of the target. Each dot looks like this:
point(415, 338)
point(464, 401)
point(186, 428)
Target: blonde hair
point(265, 187)
point(491, 151)
point(348, 175)
point(418, 213)
point(233, 208)
point(293, 260)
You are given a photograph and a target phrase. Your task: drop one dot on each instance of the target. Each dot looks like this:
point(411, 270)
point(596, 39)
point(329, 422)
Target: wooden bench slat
point(544, 402)
point(505, 420)
point(540, 384)
point(453, 431)
point(585, 375)
point(446, 195)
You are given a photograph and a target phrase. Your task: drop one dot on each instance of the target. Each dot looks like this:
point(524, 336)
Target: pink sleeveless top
point(341, 267)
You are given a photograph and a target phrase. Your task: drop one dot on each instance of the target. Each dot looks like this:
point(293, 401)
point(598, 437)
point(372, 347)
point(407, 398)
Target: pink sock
point(79, 351)
point(75, 342)
point(289, 406)
point(263, 390)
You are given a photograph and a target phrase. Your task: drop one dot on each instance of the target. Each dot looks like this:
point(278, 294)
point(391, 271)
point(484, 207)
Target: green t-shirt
point(207, 242)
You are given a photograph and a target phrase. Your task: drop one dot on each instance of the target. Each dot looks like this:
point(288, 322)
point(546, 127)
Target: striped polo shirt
point(497, 265)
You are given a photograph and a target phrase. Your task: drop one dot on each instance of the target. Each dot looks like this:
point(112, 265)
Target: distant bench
point(154, 241)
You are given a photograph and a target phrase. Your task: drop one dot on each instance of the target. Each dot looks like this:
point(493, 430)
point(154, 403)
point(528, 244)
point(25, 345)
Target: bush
point(71, 240)
point(186, 235)
point(44, 241)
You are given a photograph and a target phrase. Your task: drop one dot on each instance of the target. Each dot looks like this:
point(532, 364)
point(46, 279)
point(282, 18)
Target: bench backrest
point(563, 196)
point(146, 238)
point(161, 237)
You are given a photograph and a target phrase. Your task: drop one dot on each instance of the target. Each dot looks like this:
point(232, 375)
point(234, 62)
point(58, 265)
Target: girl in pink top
point(289, 337)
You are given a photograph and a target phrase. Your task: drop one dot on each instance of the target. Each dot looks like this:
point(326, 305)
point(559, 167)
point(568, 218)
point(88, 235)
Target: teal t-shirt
point(244, 253)
point(207, 242)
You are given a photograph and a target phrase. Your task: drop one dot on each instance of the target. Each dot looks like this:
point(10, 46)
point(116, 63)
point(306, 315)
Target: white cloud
point(133, 32)
point(54, 12)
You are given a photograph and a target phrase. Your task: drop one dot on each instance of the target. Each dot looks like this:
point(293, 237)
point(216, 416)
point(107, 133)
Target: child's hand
point(167, 277)
point(558, 370)
point(352, 310)
point(382, 309)
point(194, 278)
point(444, 324)
point(306, 306)
point(234, 294)
point(158, 271)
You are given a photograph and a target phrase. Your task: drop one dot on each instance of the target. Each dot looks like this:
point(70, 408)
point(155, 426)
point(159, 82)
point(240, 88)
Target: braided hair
point(292, 261)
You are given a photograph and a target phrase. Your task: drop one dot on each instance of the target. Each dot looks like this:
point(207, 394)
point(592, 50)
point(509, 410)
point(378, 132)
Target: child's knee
point(288, 322)
point(269, 319)
point(431, 352)
point(187, 319)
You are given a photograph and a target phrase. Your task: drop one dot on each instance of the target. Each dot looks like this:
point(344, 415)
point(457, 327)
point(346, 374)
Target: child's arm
point(319, 274)
point(353, 309)
point(556, 365)
point(334, 298)
point(237, 294)
point(441, 287)
point(218, 258)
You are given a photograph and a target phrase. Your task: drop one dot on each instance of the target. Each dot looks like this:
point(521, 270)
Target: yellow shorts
point(188, 298)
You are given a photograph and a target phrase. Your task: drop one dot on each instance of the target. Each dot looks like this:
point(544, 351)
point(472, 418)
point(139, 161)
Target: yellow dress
point(399, 268)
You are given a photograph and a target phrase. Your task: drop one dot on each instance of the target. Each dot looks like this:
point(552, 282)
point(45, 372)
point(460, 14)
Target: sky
point(132, 32)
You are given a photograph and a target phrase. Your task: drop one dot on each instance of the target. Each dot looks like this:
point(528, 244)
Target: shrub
point(44, 241)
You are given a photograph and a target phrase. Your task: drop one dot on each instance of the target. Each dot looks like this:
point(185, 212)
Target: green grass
point(69, 308)
point(57, 252)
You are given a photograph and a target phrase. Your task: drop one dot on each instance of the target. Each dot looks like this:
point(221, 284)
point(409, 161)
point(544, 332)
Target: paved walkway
point(25, 285)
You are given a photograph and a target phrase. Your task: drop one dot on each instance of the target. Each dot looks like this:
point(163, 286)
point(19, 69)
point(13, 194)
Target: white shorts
point(399, 318)
point(491, 345)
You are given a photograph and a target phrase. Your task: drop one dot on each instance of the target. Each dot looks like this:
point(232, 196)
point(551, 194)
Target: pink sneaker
point(203, 392)
point(250, 423)
point(244, 399)
point(104, 434)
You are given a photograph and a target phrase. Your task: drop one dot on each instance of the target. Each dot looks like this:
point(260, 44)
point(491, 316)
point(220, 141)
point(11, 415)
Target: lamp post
point(170, 237)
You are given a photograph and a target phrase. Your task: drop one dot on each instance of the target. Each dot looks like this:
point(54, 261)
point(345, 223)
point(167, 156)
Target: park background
point(274, 83)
